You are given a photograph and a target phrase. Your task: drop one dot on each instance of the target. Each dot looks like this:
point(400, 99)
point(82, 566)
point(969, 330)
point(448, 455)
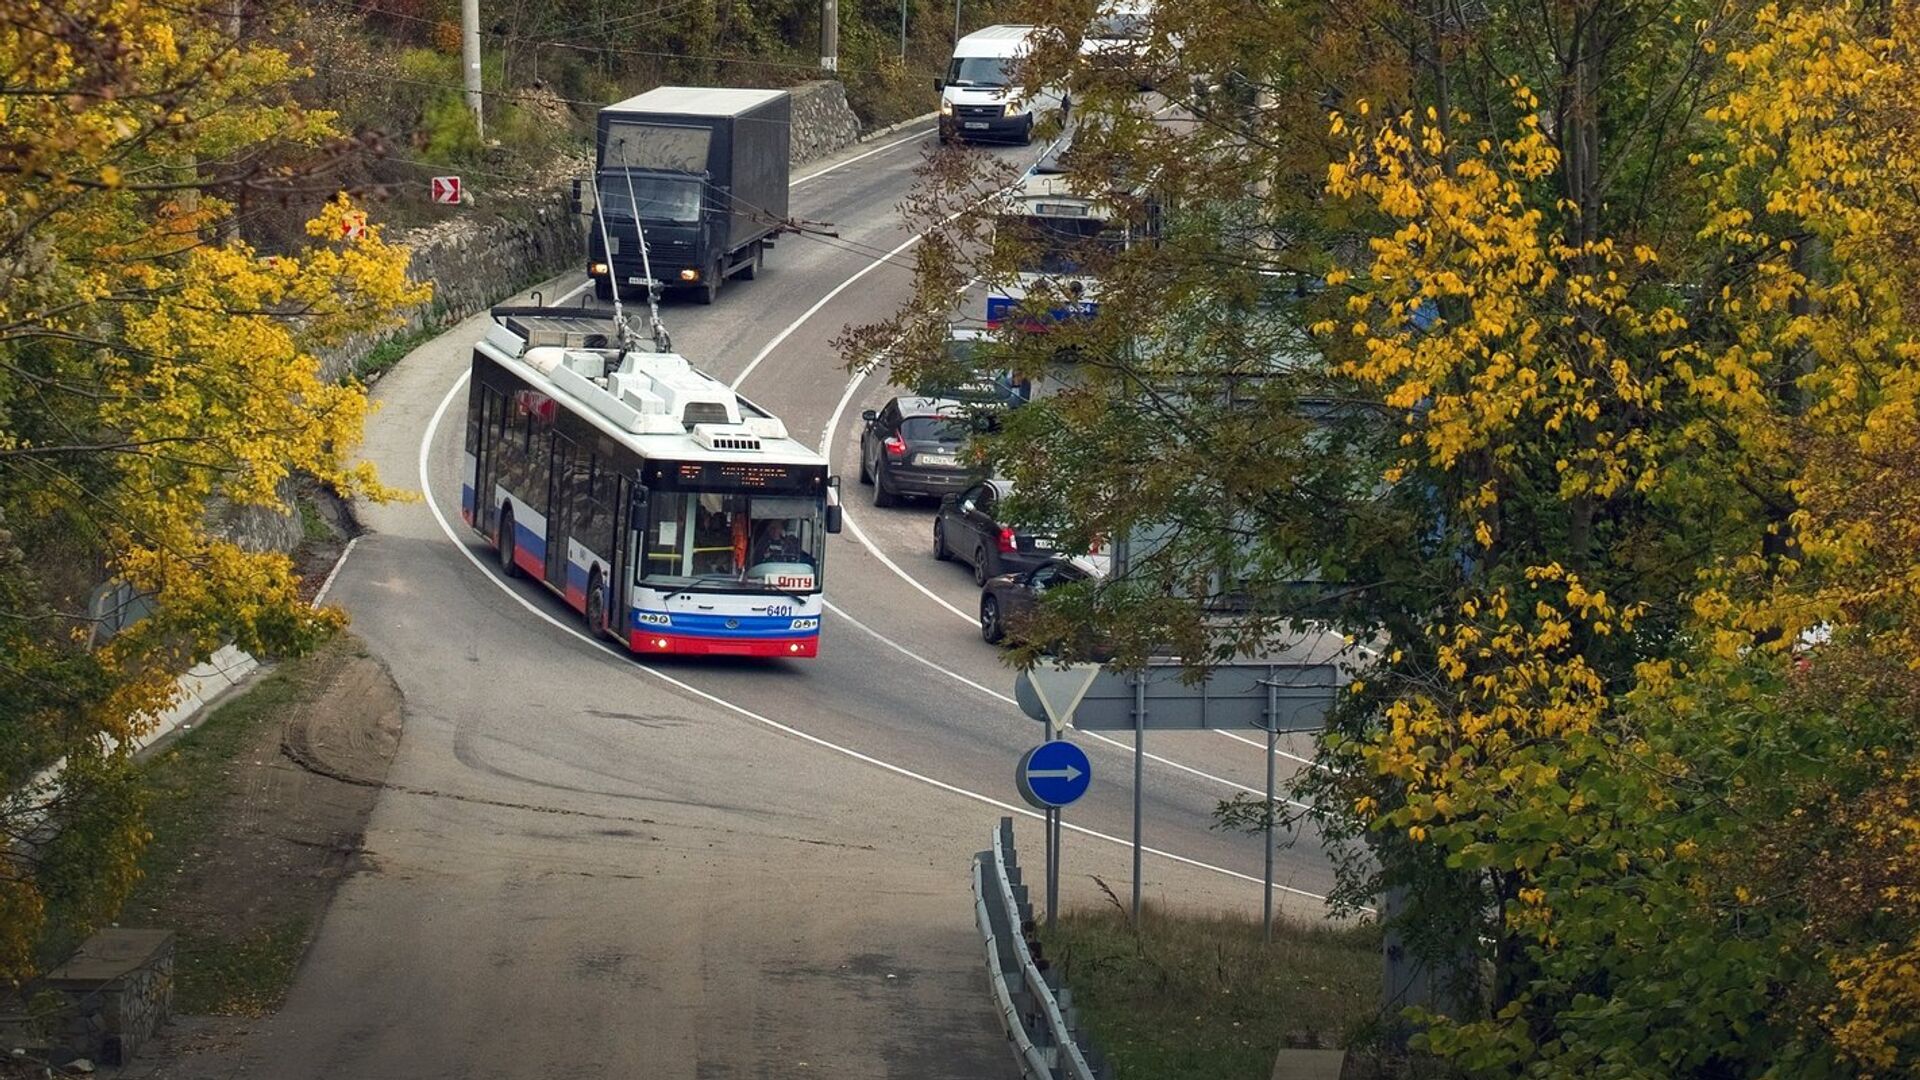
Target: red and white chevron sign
point(446, 189)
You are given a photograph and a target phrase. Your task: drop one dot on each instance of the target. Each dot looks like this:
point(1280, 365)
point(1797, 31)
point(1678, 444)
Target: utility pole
point(470, 59)
point(956, 22)
point(830, 35)
point(903, 31)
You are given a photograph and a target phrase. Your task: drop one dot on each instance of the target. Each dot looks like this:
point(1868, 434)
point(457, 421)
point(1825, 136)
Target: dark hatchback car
point(1007, 601)
point(969, 528)
point(914, 446)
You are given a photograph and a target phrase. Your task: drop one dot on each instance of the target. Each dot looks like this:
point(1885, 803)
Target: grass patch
point(240, 975)
point(379, 359)
point(218, 968)
point(313, 524)
point(1199, 997)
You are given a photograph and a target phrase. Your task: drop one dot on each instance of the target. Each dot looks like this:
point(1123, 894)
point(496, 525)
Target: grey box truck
point(706, 168)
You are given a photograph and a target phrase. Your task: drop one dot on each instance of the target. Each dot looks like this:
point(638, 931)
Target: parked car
point(969, 528)
point(1007, 601)
point(914, 446)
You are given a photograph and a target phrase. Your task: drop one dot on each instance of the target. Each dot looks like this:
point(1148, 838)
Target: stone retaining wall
point(473, 267)
point(823, 122)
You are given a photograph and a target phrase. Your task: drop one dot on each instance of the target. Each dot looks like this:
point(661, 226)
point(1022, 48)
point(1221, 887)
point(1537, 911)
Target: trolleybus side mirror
point(833, 504)
point(833, 518)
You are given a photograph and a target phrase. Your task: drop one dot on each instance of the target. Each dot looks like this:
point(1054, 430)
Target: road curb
point(899, 125)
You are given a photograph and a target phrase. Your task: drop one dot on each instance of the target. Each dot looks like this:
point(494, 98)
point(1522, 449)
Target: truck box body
point(709, 167)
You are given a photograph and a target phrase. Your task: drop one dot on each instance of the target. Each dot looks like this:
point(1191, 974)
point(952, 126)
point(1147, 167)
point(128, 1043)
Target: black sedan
point(1006, 601)
point(969, 527)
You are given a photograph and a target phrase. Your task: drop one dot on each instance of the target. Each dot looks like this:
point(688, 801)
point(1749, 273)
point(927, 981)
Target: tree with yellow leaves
point(1610, 435)
point(152, 365)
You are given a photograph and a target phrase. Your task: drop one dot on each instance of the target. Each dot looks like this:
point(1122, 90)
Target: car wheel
point(881, 496)
point(940, 551)
point(596, 604)
point(990, 629)
point(507, 542)
point(1026, 133)
point(980, 558)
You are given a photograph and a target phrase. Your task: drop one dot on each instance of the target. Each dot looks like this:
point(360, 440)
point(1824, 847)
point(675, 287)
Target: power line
point(546, 43)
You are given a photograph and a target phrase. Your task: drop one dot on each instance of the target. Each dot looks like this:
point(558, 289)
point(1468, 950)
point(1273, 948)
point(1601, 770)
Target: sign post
point(1287, 694)
point(1052, 775)
point(1139, 781)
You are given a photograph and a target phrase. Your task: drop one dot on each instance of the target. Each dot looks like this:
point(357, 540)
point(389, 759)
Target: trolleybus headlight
point(794, 647)
point(689, 275)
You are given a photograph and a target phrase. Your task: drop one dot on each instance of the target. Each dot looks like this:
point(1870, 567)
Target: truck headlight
point(597, 269)
point(946, 107)
point(689, 275)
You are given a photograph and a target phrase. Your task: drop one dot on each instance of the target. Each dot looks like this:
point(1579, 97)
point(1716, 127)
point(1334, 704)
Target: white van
point(978, 99)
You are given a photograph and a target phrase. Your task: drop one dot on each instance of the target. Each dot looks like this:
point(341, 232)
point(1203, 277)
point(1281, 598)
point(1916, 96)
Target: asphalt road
point(587, 866)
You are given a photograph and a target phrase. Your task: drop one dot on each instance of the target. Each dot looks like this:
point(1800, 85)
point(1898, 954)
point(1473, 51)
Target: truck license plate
point(975, 125)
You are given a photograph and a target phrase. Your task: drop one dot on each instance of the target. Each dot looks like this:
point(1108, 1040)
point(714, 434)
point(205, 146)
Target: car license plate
point(936, 461)
point(1042, 543)
point(975, 125)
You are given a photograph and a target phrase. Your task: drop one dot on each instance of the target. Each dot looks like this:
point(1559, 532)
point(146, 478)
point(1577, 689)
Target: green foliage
point(447, 131)
point(1202, 997)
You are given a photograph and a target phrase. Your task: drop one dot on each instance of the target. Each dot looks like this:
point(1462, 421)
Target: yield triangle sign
point(1060, 689)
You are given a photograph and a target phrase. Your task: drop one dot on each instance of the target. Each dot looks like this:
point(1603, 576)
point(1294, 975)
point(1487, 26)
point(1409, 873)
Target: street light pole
point(830, 35)
point(470, 58)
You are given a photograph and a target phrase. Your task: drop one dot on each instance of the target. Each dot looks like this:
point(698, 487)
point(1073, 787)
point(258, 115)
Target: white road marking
point(1117, 744)
point(787, 331)
point(915, 137)
point(426, 486)
point(321, 596)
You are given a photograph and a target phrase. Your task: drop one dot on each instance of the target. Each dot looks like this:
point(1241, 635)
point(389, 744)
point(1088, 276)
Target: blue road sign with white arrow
point(1053, 774)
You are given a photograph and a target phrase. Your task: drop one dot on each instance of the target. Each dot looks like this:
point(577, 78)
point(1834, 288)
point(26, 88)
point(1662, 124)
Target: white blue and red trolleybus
point(673, 514)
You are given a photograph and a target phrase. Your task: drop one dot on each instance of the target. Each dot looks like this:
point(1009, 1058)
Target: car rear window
point(933, 429)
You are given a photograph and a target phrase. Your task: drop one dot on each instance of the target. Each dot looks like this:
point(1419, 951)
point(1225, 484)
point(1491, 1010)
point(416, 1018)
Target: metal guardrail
point(1038, 1015)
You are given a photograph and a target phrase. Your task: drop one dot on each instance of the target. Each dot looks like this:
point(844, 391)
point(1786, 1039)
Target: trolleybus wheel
point(596, 604)
point(506, 542)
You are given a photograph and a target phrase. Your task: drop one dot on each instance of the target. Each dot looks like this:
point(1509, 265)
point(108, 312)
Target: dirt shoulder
point(258, 812)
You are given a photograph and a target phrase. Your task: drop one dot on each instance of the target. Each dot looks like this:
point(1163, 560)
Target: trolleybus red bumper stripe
point(687, 645)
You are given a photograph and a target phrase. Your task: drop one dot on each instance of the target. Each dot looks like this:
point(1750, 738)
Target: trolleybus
point(1061, 236)
point(673, 514)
